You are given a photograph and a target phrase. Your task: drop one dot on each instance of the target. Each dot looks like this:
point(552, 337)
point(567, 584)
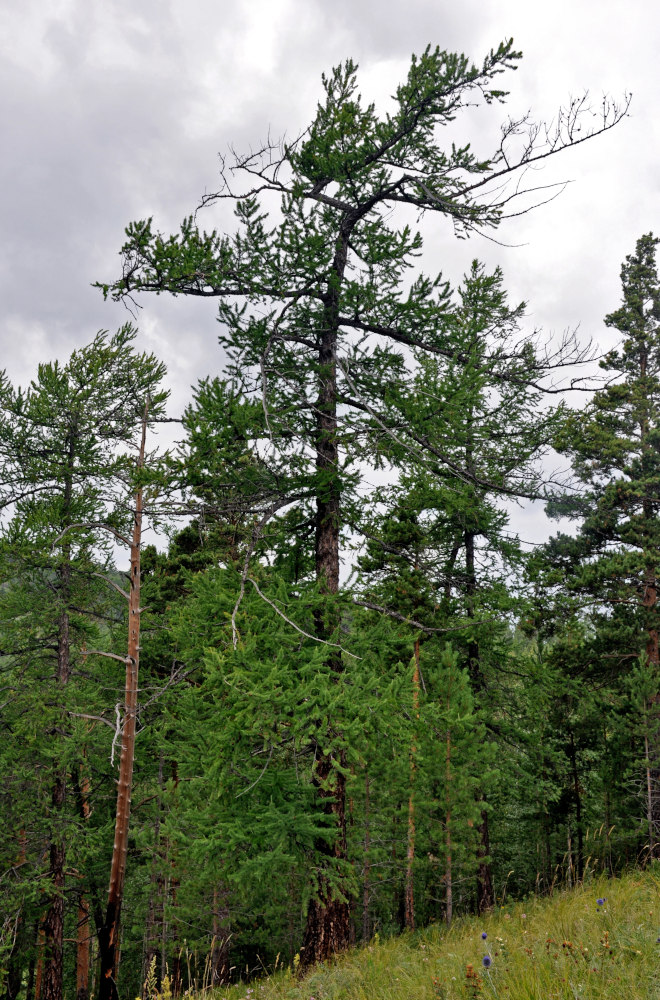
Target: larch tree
point(320, 310)
point(471, 431)
point(612, 563)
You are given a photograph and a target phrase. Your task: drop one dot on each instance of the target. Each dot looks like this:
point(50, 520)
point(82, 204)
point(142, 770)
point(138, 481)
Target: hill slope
point(598, 942)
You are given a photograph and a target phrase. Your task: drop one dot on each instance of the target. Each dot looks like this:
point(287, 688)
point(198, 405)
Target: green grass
point(562, 948)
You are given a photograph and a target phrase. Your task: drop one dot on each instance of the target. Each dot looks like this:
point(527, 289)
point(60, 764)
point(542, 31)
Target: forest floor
point(600, 941)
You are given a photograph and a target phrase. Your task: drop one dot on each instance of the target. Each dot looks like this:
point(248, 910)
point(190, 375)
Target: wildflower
point(601, 901)
point(486, 961)
point(483, 935)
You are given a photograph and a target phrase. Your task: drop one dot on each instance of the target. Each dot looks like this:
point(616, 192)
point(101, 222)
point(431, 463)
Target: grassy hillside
point(567, 947)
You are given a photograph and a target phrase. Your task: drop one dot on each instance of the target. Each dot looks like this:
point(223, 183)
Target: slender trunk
point(53, 925)
point(608, 830)
point(652, 744)
point(154, 922)
point(485, 892)
point(39, 974)
point(449, 887)
point(220, 949)
point(366, 888)
point(171, 931)
point(579, 857)
point(16, 960)
point(83, 947)
point(163, 925)
point(327, 929)
point(650, 603)
point(398, 894)
point(84, 936)
point(109, 934)
point(29, 989)
point(410, 857)
point(650, 818)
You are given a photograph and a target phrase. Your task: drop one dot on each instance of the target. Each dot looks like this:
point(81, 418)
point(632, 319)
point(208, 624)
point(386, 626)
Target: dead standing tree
point(320, 313)
point(108, 932)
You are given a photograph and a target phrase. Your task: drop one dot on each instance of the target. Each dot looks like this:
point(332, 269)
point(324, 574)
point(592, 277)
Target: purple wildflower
point(483, 935)
point(601, 901)
point(486, 961)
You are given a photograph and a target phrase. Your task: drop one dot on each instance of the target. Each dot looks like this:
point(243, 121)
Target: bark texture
point(327, 929)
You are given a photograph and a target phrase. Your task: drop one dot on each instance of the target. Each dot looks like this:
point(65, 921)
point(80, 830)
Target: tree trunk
point(84, 937)
point(29, 989)
point(109, 934)
point(83, 947)
point(366, 887)
point(485, 893)
point(652, 744)
point(155, 909)
point(53, 924)
point(579, 857)
point(650, 603)
point(449, 885)
point(410, 856)
point(220, 950)
point(327, 930)
point(39, 974)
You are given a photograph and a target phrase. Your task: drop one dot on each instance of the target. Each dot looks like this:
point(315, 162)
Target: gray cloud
point(112, 112)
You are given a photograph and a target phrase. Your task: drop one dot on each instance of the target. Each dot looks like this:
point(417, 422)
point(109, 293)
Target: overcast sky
point(113, 111)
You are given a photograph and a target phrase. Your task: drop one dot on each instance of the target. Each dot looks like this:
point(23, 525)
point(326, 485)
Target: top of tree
point(356, 165)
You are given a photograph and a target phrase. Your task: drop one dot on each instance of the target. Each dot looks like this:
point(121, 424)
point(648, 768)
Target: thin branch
point(110, 656)
point(307, 635)
point(118, 732)
point(256, 782)
point(256, 535)
point(94, 718)
point(116, 586)
point(425, 628)
point(91, 524)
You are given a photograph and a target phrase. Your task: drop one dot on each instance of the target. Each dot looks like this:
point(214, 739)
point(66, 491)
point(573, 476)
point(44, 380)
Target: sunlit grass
point(567, 947)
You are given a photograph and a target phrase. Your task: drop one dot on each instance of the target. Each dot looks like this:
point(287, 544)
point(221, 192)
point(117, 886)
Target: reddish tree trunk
point(83, 950)
point(109, 934)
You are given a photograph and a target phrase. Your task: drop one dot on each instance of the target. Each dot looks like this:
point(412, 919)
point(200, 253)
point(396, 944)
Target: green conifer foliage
point(613, 562)
point(320, 312)
point(65, 449)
